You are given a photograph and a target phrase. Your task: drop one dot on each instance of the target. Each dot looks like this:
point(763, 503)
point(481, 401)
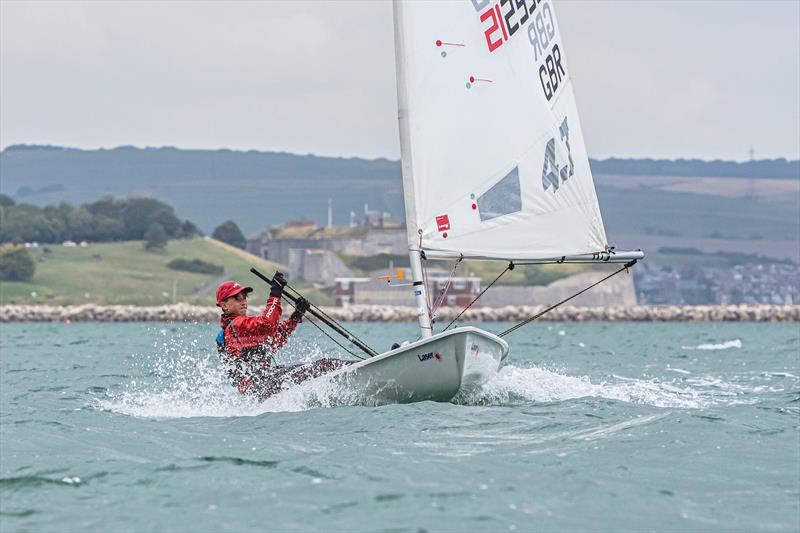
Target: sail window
point(503, 198)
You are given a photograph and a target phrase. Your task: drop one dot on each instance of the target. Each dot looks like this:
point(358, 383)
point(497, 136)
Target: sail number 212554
point(506, 17)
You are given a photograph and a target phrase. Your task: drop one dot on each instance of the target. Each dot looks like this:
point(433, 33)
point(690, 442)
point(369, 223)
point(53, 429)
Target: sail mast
point(414, 251)
point(420, 294)
point(403, 122)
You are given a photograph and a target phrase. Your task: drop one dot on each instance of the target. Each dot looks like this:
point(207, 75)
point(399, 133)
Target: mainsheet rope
point(439, 299)
point(308, 318)
point(534, 317)
point(342, 346)
point(326, 315)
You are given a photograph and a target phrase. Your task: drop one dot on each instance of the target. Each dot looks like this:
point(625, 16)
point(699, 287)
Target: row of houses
point(752, 283)
point(313, 253)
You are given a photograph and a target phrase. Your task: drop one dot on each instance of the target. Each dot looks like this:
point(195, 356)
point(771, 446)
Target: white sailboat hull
point(433, 369)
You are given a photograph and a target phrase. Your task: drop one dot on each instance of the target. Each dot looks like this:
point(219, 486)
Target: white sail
point(494, 163)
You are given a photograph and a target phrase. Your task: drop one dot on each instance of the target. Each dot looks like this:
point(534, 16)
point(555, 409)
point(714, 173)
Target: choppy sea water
point(609, 426)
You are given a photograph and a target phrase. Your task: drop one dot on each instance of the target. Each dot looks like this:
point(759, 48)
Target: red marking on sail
point(439, 42)
point(473, 79)
point(443, 222)
point(500, 17)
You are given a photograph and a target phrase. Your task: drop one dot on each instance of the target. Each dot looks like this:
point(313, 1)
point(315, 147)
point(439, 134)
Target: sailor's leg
point(317, 368)
point(329, 365)
point(269, 381)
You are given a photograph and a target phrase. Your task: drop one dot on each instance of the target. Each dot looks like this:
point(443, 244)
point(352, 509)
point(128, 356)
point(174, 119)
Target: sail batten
point(494, 163)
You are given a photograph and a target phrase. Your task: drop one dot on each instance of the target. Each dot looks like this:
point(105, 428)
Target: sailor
point(246, 344)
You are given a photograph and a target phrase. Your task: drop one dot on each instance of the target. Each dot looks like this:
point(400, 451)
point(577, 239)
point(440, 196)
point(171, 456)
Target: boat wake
point(735, 343)
point(515, 384)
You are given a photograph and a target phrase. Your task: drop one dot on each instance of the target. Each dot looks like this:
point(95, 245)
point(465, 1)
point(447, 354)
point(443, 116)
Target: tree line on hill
point(106, 219)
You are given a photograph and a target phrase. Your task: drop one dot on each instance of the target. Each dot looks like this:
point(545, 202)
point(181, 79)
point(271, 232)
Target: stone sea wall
point(377, 313)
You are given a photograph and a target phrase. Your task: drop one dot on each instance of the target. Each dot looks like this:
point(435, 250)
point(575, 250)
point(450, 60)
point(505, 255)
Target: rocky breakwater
point(379, 313)
point(108, 313)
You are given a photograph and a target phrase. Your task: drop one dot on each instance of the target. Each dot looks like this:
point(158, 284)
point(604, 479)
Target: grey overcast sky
point(706, 79)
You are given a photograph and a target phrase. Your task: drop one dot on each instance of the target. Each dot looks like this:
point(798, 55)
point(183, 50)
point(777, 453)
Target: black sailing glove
point(278, 283)
point(300, 308)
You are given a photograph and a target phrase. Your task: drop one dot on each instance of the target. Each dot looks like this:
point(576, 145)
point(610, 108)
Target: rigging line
point(337, 328)
point(439, 299)
point(331, 338)
point(285, 336)
point(509, 267)
point(326, 315)
point(534, 317)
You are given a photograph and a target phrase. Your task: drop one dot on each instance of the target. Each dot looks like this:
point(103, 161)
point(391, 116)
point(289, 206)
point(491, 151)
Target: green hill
point(207, 186)
point(257, 189)
point(124, 273)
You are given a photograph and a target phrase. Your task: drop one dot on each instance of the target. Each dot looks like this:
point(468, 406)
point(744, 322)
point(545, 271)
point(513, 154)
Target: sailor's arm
point(288, 326)
point(258, 329)
point(285, 329)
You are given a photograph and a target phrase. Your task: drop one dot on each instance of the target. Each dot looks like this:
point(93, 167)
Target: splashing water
point(179, 383)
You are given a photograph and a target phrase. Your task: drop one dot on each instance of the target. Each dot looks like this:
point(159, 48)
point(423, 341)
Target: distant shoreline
point(376, 313)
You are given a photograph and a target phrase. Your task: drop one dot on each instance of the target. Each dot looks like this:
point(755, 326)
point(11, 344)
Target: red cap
point(230, 288)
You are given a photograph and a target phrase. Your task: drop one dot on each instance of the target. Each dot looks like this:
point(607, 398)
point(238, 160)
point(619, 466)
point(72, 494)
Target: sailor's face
point(236, 305)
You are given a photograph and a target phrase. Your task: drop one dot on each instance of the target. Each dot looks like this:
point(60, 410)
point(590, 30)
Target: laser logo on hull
point(428, 356)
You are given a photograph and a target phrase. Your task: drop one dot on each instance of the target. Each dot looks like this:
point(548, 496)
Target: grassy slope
point(489, 270)
point(124, 273)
